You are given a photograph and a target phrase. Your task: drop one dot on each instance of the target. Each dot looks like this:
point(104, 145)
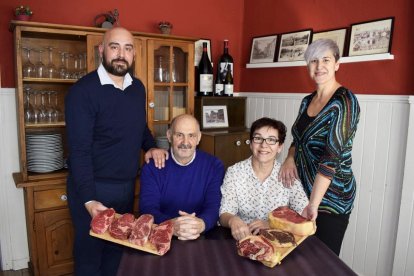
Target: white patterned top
point(245, 196)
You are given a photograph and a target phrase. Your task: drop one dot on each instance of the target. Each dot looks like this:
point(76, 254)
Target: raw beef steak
point(141, 230)
point(286, 219)
point(121, 227)
point(101, 221)
point(161, 236)
point(258, 248)
point(278, 237)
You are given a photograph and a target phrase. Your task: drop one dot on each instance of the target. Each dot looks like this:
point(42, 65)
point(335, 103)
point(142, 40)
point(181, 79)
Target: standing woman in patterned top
point(320, 155)
point(251, 188)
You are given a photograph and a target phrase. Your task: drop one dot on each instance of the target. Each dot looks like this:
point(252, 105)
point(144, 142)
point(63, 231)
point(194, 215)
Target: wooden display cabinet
point(49, 226)
point(231, 144)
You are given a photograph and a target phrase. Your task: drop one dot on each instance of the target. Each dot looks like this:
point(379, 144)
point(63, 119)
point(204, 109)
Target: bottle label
point(219, 89)
point(228, 89)
point(223, 69)
point(206, 83)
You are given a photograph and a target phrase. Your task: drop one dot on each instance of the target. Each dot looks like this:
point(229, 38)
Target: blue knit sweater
point(192, 188)
point(106, 129)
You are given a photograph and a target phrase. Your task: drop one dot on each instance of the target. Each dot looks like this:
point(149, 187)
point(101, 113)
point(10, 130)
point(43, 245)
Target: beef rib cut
point(142, 229)
point(288, 220)
point(121, 227)
point(161, 236)
point(102, 220)
point(258, 248)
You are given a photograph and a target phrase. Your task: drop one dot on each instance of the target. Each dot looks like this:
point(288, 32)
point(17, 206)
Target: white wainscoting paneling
point(379, 154)
point(13, 236)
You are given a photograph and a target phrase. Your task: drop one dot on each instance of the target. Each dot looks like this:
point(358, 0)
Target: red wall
point(213, 19)
point(262, 17)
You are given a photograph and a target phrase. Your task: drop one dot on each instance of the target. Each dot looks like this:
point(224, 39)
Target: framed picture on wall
point(337, 35)
point(198, 50)
point(292, 46)
point(372, 37)
point(263, 49)
point(215, 116)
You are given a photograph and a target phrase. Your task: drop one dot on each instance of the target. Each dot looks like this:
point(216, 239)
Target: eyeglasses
point(269, 140)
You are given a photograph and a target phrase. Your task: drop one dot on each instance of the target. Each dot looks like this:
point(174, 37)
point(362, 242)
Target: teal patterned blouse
point(325, 147)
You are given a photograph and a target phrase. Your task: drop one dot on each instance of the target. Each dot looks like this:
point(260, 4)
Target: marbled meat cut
point(258, 248)
point(121, 227)
point(161, 236)
point(142, 229)
point(102, 220)
point(278, 238)
point(286, 219)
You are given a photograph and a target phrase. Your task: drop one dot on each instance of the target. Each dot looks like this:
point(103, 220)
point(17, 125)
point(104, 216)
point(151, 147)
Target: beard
point(119, 70)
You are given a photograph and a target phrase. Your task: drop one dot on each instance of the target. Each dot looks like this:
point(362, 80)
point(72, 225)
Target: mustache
point(119, 59)
point(184, 146)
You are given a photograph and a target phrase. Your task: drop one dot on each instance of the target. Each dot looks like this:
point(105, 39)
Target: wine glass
point(50, 111)
point(28, 108)
point(62, 69)
point(36, 110)
point(57, 114)
point(42, 107)
point(29, 69)
point(40, 66)
point(51, 68)
point(68, 74)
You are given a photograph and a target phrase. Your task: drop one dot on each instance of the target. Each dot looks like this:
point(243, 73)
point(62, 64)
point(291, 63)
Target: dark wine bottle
point(225, 59)
point(205, 74)
point(228, 83)
point(219, 87)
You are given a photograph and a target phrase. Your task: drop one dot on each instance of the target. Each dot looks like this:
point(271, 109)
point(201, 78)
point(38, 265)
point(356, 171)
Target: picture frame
point(198, 50)
point(263, 49)
point(292, 46)
point(371, 37)
point(337, 35)
point(215, 116)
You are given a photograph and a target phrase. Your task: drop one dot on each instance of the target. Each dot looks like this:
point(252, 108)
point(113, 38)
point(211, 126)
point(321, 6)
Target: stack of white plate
point(44, 152)
point(162, 142)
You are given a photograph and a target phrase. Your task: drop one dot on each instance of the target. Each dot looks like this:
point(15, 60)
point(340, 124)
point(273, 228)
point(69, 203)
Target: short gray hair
point(318, 48)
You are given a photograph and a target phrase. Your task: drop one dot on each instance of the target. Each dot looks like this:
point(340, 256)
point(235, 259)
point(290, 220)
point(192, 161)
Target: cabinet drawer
point(50, 198)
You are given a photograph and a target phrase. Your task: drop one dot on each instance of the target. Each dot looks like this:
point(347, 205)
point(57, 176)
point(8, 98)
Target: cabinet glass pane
point(179, 71)
point(179, 101)
point(162, 64)
point(160, 130)
point(162, 103)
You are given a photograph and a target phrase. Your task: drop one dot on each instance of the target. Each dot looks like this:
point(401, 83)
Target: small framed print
point(215, 116)
point(263, 49)
point(198, 50)
point(292, 46)
point(337, 35)
point(372, 37)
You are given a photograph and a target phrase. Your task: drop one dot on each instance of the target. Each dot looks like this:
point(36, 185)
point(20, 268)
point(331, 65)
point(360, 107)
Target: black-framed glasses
point(269, 140)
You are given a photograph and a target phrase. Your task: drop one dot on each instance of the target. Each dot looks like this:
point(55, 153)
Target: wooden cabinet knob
point(238, 143)
point(63, 197)
point(247, 142)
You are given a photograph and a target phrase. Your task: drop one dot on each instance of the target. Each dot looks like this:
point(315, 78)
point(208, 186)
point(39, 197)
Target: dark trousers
point(94, 256)
point(331, 229)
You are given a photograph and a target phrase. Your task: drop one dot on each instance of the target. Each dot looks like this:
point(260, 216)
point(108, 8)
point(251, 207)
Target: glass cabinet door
point(170, 83)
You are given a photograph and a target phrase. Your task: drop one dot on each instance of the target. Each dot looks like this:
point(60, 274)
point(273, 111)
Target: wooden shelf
point(46, 80)
point(45, 125)
point(375, 57)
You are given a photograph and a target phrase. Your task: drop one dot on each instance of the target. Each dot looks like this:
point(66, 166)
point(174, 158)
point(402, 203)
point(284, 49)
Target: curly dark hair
point(272, 123)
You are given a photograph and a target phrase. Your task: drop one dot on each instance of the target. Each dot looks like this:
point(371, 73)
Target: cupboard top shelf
point(87, 30)
point(374, 57)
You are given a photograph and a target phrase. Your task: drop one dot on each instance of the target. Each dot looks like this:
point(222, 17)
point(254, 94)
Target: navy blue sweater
point(106, 129)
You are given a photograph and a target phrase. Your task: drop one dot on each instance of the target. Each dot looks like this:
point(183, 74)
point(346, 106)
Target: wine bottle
point(205, 74)
point(225, 60)
point(228, 82)
point(219, 87)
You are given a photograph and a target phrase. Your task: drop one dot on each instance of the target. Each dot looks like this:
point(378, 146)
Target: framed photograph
point(373, 37)
point(263, 49)
point(338, 35)
point(198, 50)
point(215, 116)
point(292, 46)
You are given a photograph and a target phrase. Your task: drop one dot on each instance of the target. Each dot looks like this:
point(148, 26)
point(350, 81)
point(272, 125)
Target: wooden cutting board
point(284, 251)
point(148, 247)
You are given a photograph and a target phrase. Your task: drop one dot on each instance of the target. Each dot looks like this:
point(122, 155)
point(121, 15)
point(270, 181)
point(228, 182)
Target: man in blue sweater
point(106, 130)
point(187, 189)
